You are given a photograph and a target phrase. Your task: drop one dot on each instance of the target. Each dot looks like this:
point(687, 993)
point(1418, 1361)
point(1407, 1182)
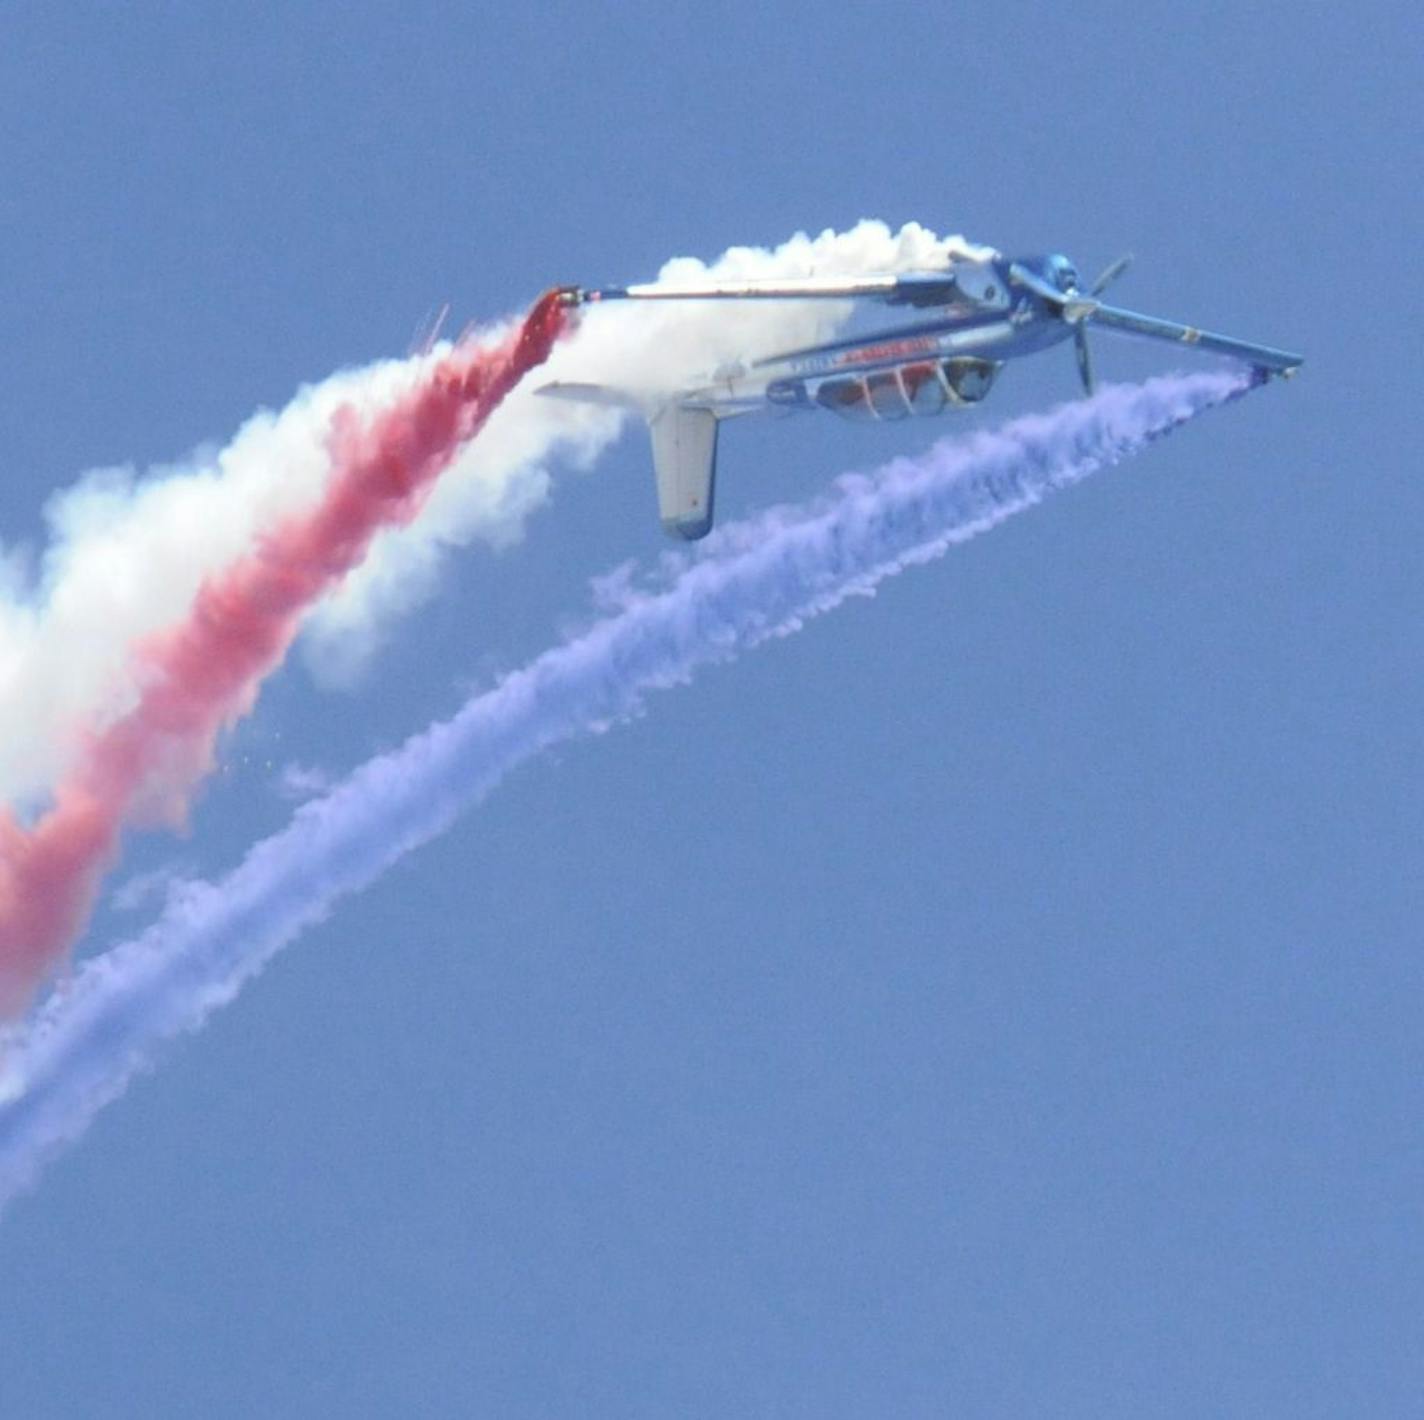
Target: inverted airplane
point(973, 317)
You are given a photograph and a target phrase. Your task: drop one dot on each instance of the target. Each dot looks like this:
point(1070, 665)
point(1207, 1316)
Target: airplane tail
point(685, 460)
point(684, 454)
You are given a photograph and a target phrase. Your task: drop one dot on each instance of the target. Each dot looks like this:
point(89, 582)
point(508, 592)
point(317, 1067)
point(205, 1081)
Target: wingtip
point(1266, 373)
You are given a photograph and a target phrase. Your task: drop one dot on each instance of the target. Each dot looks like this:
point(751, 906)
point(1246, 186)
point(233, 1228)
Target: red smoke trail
point(204, 673)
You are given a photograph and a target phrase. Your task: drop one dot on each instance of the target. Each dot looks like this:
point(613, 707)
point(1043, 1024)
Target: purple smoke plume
point(751, 581)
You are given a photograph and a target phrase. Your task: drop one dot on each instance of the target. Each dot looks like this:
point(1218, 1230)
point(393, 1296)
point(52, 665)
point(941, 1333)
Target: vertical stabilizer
point(685, 458)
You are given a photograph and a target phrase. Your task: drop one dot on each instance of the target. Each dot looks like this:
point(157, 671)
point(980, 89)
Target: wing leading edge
point(914, 288)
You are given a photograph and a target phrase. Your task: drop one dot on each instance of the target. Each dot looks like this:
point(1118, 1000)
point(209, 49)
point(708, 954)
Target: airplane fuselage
point(947, 356)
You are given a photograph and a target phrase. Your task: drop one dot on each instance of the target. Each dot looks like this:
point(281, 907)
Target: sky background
point(1002, 998)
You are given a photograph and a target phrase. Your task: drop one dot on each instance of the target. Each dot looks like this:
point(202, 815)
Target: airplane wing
point(913, 288)
point(1265, 357)
point(1083, 310)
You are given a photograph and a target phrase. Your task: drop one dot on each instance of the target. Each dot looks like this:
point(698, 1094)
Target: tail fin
point(685, 459)
point(684, 453)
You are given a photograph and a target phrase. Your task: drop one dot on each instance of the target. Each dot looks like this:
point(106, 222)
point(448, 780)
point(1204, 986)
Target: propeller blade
point(1110, 275)
point(1085, 360)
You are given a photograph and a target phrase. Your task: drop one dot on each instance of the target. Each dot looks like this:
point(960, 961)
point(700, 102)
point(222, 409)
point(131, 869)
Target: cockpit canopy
point(1061, 272)
point(923, 388)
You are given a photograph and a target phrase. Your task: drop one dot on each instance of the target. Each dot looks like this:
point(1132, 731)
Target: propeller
point(1085, 359)
point(1110, 274)
point(1083, 314)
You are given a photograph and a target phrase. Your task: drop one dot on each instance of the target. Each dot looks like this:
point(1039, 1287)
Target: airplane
point(972, 317)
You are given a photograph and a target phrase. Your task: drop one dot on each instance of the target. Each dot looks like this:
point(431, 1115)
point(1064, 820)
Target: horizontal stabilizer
point(591, 394)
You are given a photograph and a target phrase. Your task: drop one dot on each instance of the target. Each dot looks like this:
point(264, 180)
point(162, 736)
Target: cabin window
point(886, 395)
point(923, 389)
point(969, 378)
point(846, 397)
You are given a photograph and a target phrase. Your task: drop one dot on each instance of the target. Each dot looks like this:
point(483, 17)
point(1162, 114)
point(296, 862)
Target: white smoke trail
point(754, 580)
point(127, 554)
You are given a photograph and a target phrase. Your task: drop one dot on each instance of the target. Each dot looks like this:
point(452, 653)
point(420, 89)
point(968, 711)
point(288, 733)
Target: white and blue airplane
point(973, 316)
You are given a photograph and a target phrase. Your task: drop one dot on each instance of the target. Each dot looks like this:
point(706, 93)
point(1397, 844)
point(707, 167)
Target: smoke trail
point(202, 674)
point(94, 713)
point(127, 556)
point(755, 580)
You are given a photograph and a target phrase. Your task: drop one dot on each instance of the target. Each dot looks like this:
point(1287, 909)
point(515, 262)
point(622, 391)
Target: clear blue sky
point(1002, 998)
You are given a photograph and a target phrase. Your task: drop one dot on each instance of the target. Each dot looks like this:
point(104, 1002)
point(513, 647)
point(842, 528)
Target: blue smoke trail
point(752, 581)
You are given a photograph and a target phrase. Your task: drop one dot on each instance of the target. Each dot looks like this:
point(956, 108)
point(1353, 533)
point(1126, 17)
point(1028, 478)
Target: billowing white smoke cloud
point(753, 581)
point(127, 554)
point(651, 349)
